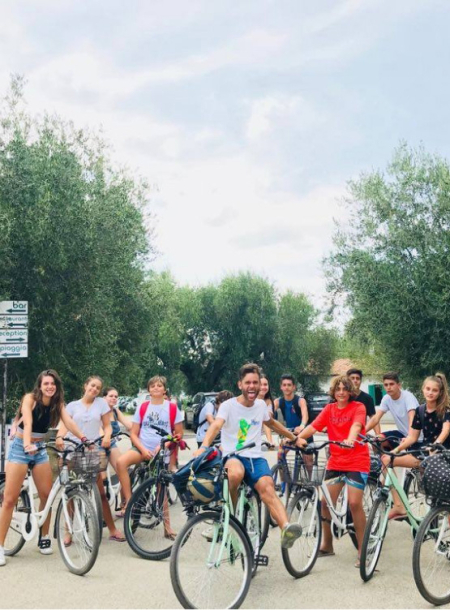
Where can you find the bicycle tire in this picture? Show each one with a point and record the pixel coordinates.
(277, 472)
(96, 498)
(422, 536)
(186, 534)
(300, 503)
(374, 535)
(251, 523)
(144, 520)
(14, 541)
(85, 527)
(416, 498)
(368, 499)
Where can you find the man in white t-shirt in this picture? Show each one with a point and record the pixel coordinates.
(402, 406)
(240, 422)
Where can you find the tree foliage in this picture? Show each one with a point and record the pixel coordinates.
(391, 261)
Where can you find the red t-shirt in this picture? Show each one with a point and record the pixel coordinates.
(338, 423)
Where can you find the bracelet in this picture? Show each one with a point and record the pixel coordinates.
(203, 447)
(59, 436)
(83, 439)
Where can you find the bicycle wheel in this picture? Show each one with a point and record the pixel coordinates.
(212, 570)
(374, 534)
(416, 497)
(150, 520)
(96, 500)
(431, 556)
(252, 525)
(281, 488)
(78, 518)
(14, 540)
(304, 509)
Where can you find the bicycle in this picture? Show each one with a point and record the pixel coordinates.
(305, 509)
(377, 521)
(230, 552)
(75, 515)
(152, 509)
(431, 550)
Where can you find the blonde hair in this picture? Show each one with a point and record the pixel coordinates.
(346, 382)
(442, 402)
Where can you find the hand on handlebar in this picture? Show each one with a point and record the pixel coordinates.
(31, 449)
(348, 442)
(301, 442)
(106, 442)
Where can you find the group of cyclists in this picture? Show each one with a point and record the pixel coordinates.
(241, 421)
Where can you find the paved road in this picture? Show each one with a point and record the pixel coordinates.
(120, 579)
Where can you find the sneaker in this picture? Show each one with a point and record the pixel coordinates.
(45, 546)
(289, 535)
(2, 556)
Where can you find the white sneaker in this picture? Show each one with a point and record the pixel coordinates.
(2, 556)
(45, 546)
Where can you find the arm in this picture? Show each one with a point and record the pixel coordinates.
(107, 429)
(134, 436)
(375, 420)
(444, 434)
(69, 424)
(123, 420)
(306, 433)
(305, 416)
(178, 431)
(353, 434)
(413, 437)
(276, 404)
(27, 420)
(275, 425)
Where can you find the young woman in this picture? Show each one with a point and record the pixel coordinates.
(433, 419)
(146, 441)
(344, 419)
(41, 409)
(266, 395)
(92, 413)
(112, 396)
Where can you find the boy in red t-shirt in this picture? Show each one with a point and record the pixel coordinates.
(344, 420)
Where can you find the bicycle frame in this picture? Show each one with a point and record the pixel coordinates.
(391, 481)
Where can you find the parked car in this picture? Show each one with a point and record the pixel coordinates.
(316, 402)
(197, 404)
(124, 403)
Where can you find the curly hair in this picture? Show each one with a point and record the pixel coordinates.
(346, 382)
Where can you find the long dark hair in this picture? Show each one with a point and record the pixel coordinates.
(56, 401)
(268, 395)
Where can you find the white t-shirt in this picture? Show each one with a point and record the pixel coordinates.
(156, 415)
(88, 419)
(208, 409)
(400, 408)
(242, 426)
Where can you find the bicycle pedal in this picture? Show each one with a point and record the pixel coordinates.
(262, 560)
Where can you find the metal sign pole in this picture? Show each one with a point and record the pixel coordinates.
(4, 432)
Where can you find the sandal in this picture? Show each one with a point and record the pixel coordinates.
(120, 514)
(116, 538)
(325, 553)
(67, 540)
(170, 536)
(358, 563)
(395, 516)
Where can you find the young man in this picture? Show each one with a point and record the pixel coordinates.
(402, 405)
(208, 414)
(293, 408)
(240, 422)
(355, 376)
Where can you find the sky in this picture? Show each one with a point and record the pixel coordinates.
(247, 118)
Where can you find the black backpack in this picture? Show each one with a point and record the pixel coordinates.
(195, 422)
(297, 408)
(436, 478)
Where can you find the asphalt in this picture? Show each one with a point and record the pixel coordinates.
(120, 579)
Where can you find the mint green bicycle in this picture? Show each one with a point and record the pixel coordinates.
(377, 520)
(218, 550)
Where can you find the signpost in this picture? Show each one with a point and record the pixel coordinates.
(13, 344)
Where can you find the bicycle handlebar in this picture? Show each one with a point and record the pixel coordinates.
(248, 446)
(376, 443)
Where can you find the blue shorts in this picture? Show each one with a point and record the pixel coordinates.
(353, 478)
(17, 454)
(255, 469)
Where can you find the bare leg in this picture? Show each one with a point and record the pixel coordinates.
(408, 461)
(355, 502)
(123, 463)
(266, 489)
(15, 475)
(327, 537)
(113, 531)
(42, 476)
(236, 473)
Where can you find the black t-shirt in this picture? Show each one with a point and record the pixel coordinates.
(367, 401)
(432, 426)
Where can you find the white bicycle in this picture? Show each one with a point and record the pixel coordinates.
(305, 509)
(76, 525)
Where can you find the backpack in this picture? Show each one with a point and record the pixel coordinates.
(296, 405)
(198, 481)
(436, 478)
(196, 423)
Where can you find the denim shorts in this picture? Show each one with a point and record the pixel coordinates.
(351, 477)
(255, 469)
(17, 453)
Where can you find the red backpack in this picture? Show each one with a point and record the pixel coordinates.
(173, 408)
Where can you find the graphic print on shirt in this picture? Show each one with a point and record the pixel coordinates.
(154, 418)
(244, 427)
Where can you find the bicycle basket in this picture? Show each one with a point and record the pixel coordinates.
(302, 470)
(88, 462)
(436, 478)
(197, 482)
